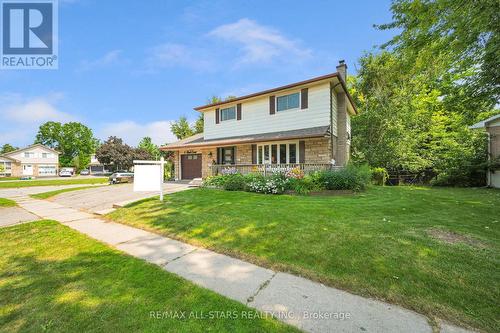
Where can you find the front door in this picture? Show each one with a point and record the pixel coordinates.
(191, 166)
(27, 170)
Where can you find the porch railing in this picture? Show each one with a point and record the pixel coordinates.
(265, 169)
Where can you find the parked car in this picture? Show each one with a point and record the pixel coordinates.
(85, 172)
(65, 173)
(121, 177)
(65, 170)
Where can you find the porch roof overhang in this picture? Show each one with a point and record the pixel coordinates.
(198, 141)
(8, 159)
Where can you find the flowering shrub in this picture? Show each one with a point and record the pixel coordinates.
(275, 184)
(277, 181)
(295, 173)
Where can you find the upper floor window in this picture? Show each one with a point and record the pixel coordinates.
(29, 154)
(288, 102)
(46, 155)
(228, 113)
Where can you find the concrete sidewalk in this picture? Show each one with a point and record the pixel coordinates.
(305, 304)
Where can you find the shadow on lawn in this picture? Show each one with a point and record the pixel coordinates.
(96, 291)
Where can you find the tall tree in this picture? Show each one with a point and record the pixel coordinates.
(181, 128)
(199, 124)
(461, 36)
(148, 145)
(7, 148)
(116, 153)
(72, 140)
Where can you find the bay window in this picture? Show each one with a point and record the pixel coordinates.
(274, 153)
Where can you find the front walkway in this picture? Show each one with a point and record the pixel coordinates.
(308, 305)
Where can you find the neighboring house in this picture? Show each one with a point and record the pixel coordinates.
(492, 127)
(304, 124)
(96, 167)
(36, 160)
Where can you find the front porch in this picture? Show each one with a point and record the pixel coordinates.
(265, 169)
(308, 154)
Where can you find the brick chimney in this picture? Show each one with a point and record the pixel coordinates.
(342, 151)
(342, 69)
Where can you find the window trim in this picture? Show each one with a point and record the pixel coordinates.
(229, 107)
(299, 92)
(260, 159)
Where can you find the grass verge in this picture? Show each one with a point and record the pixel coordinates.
(8, 178)
(55, 279)
(434, 250)
(7, 203)
(46, 195)
(28, 183)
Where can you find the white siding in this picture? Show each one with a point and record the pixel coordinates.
(256, 118)
(37, 158)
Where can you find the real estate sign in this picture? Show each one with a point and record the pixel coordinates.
(148, 176)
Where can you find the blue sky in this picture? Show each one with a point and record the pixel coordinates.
(128, 68)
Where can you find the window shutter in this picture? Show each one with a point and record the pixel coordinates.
(302, 152)
(217, 115)
(234, 155)
(219, 156)
(238, 111)
(254, 154)
(304, 98)
(272, 105)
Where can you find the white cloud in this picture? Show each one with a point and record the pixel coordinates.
(175, 55)
(132, 132)
(20, 116)
(110, 58)
(260, 43)
(34, 110)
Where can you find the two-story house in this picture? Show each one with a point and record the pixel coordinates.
(305, 124)
(33, 161)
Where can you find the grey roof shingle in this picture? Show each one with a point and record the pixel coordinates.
(198, 140)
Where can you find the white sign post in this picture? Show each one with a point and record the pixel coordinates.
(148, 176)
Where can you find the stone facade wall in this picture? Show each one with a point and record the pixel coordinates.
(244, 154)
(207, 161)
(17, 170)
(342, 153)
(318, 150)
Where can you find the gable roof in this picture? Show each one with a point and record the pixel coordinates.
(30, 147)
(288, 86)
(198, 140)
(485, 122)
(8, 158)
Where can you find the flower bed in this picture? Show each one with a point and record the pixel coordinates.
(350, 178)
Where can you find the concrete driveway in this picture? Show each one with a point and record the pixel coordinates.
(100, 199)
(15, 215)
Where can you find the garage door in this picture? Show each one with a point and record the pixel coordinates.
(191, 166)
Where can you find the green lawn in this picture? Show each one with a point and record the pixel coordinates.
(55, 279)
(27, 183)
(46, 195)
(7, 203)
(9, 178)
(434, 250)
